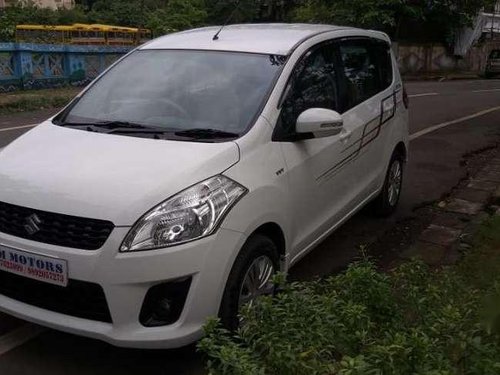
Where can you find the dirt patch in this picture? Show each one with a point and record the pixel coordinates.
(390, 245)
(34, 100)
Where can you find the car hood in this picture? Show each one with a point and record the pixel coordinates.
(103, 176)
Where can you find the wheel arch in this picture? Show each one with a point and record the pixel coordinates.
(401, 149)
(274, 232)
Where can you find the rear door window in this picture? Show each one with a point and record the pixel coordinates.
(367, 69)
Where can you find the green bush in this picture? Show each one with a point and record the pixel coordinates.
(443, 17)
(412, 321)
(26, 13)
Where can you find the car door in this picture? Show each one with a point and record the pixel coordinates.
(370, 103)
(319, 185)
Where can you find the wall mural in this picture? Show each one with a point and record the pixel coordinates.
(33, 66)
(429, 57)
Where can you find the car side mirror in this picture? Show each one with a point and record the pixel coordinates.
(319, 121)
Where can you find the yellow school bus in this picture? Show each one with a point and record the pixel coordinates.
(80, 33)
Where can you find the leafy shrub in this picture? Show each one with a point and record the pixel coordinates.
(412, 321)
(26, 13)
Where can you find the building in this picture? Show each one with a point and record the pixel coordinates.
(492, 21)
(486, 28)
(53, 4)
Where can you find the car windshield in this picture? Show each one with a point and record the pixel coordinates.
(179, 90)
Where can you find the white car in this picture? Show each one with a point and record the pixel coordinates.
(197, 166)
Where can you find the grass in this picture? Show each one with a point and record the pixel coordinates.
(481, 266)
(34, 100)
(414, 320)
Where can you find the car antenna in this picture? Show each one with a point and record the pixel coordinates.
(237, 5)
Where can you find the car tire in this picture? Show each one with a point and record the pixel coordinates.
(387, 201)
(257, 248)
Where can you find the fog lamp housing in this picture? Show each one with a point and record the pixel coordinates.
(164, 303)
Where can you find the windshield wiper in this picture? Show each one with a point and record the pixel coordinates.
(115, 127)
(125, 127)
(201, 133)
(106, 124)
(121, 124)
(133, 130)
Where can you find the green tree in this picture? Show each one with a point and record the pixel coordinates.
(239, 11)
(380, 14)
(408, 19)
(248, 10)
(177, 15)
(116, 12)
(455, 14)
(444, 17)
(27, 13)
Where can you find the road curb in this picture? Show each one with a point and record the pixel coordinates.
(452, 229)
(441, 78)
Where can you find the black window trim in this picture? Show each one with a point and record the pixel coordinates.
(304, 56)
(338, 63)
(276, 137)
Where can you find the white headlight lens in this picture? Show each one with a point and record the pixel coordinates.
(189, 215)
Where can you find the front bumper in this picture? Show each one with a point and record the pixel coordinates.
(127, 277)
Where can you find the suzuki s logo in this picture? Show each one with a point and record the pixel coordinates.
(32, 224)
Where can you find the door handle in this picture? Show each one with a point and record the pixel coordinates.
(345, 136)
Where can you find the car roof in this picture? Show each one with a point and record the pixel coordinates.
(276, 39)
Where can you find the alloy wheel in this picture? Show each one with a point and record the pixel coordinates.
(395, 182)
(257, 281)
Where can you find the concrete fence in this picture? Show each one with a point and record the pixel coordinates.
(31, 66)
(437, 58)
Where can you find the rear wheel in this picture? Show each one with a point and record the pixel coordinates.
(250, 278)
(386, 203)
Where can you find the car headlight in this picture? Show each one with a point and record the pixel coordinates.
(192, 214)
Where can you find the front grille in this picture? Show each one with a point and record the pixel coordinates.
(79, 299)
(54, 229)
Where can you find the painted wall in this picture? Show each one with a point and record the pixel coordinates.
(424, 57)
(434, 58)
(31, 66)
(54, 4)
(477, 57)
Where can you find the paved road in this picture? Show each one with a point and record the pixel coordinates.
(433, 170)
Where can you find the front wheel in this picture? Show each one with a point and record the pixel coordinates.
(386, 203)
(250, 278)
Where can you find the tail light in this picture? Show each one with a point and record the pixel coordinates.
(406, 98)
